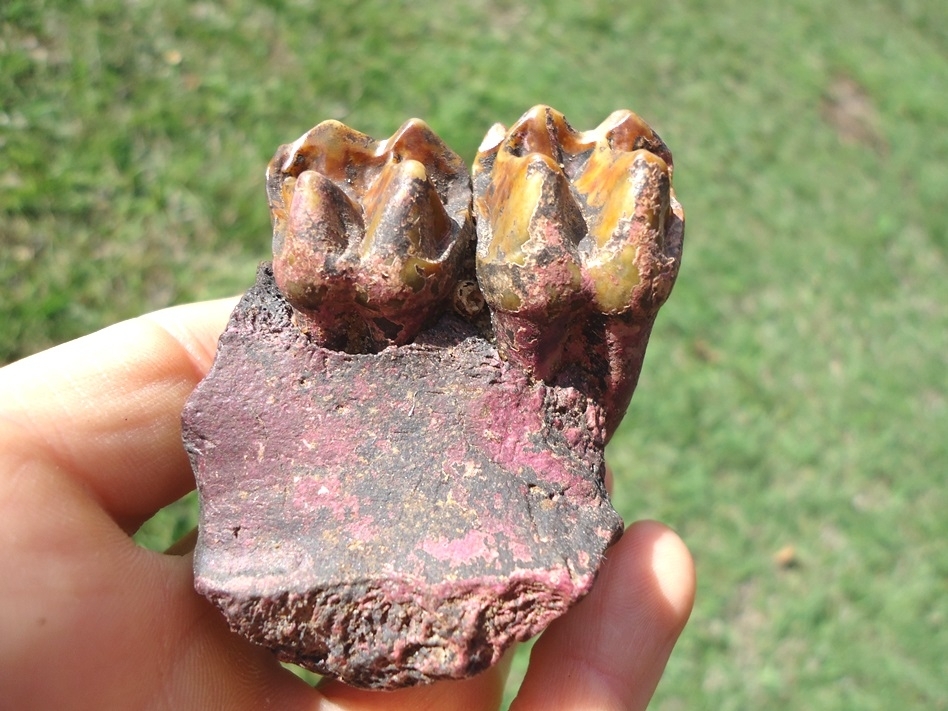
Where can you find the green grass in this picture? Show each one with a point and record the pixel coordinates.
(796, 388)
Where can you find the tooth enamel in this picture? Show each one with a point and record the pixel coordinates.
(321, 213)
(632, 197)
(493, 138)
(405, 211)
(626, 131)
(331, 149)
(531, 134)
(512, 205)
(576, 219)
(635, 185)
(319, 227)
(534, 224)
(413, 140)
(369, 236)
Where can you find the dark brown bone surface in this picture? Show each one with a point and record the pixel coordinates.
(397, 482)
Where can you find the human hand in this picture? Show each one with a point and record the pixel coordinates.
(90, 448)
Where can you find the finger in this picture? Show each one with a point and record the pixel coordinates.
(610, 651)
(483, 692)
(105, 409)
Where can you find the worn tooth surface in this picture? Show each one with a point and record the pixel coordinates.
(545, 130)
(368, 235)
(628, 205)
(625, 131)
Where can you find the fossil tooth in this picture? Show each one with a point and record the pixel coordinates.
(549, 198)
(612, 199)
(545, 130)
(528, 227)
(376, 228)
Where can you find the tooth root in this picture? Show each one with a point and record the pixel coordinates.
(406, 217)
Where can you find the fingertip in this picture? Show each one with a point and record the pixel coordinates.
(609, 652)
(196, 327)
(482, 692)
(672, 567)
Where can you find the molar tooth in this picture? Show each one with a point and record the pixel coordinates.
(528, 226)
(579, 241)
(369, 236)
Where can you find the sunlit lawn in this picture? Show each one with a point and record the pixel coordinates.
(792, 418)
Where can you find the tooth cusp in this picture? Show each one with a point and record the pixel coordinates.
(529, 224)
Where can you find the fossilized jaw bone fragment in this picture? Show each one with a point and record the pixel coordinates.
(393, 495)
(368, 236)
(579, 239)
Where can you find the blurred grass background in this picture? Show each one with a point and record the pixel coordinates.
(792, 417)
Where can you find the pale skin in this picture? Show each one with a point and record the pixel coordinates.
(90, 448)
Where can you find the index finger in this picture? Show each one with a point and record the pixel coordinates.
(105, 409)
